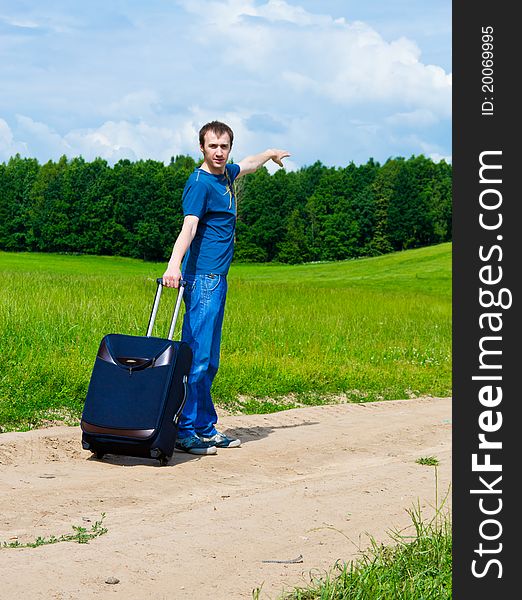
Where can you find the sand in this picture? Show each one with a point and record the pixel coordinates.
(307, 488)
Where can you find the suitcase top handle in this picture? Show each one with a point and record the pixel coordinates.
(150, 355)
(155, 306)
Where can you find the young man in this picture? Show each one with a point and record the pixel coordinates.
(206, 245)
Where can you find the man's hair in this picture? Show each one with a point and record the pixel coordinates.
(218, 128)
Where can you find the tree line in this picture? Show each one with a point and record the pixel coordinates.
(316, 213)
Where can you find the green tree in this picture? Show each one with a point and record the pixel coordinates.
(261, 219)
(49, 217)
(135, 208)
(382, 190)
(294, 249)
(409, 215)
(16, 181)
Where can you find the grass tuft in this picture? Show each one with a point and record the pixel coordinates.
(416, 566)
(430, 461)
(80, 535)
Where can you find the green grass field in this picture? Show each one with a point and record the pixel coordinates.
(362, 330)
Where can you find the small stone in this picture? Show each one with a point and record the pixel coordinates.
(112, 580)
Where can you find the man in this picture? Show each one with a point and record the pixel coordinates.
(206, 245)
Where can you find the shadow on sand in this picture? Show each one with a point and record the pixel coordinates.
(245, 434)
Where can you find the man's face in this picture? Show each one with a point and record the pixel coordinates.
(216, 151)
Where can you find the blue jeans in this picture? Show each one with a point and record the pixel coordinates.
(204, 298)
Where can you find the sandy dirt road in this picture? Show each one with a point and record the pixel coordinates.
(308, 482)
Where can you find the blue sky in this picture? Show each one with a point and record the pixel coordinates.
(335, 81)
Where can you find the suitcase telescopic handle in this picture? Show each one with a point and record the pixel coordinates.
(155, 306)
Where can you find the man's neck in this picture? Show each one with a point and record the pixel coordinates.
(213, 171)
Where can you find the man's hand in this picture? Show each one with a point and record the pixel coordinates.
(279, 155)
(171, 277)
(250, 164)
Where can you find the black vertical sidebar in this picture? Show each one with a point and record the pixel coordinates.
(487, 267)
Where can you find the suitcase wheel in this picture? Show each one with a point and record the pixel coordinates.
(157, 453)
(97, 453)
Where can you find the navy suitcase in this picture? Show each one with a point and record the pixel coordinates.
(137, 391)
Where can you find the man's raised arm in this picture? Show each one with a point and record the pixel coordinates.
(252, 163)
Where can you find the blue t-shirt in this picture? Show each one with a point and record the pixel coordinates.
(211, 198)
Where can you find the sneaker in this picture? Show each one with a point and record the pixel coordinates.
(220, 440)
(193, 445)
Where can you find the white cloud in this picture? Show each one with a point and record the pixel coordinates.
(436, 157)
(159, 138)
(6, 136)
(112, 140)
(278, 10)
(320, 59)
(140, 82)
(135, 105)
(36, 19)
(8, 146)
(417, 143)
(19, 22)
(40, 133)
(421, 117)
